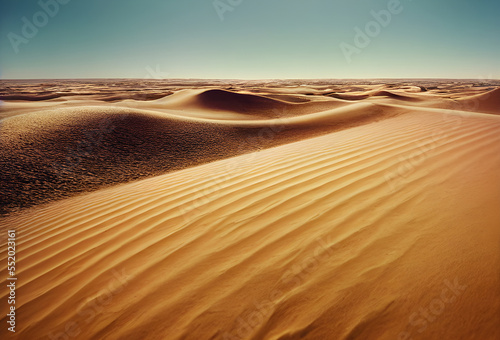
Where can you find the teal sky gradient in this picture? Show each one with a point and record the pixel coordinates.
(258, 39)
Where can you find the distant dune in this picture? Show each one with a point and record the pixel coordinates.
(488, 102)
(254, 211)
(245, 103)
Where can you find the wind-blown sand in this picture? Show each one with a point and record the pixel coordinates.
(315, 214)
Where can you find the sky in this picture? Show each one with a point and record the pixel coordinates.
(249, 39)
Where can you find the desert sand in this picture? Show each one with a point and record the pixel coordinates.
(252, 209)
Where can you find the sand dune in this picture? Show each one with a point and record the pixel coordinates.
(92, 95)
(246, 103)
(232, 101)
(488, 102)
(73, 150)
(375, 219)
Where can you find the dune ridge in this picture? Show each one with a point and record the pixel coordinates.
(92, 147)
(488, 102)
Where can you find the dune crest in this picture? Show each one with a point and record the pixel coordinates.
(488, 102)
(87, 148)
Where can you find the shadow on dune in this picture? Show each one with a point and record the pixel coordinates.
(488, 102)
(31, 97)
(382, 93)
(250, 104)
(57, 153)
(95, 95)
(240, 102)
